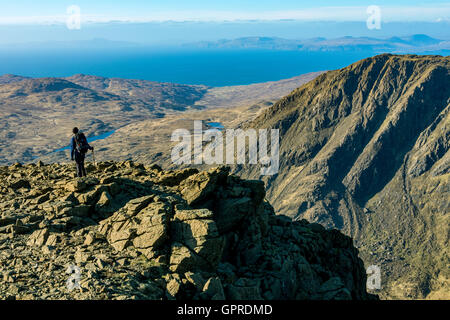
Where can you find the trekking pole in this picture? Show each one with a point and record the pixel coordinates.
(93, 158)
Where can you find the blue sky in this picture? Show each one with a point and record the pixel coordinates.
(152, 21)
(44, 11)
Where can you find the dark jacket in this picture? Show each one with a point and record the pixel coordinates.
(74, 152)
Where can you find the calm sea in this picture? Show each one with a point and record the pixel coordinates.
(208, 67)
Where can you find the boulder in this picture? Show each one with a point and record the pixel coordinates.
(182, 259)
(174, 178)
(213, 290)
(76, 185)
(79, 211)
(200, 186)
(22, 183)
(141, 224)
(196, 279)
(38, 237)
(197, 231)
(103, 204)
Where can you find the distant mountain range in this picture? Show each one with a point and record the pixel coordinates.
(418, 43)
(411, 44)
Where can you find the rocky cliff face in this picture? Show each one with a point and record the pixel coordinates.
(365, 149)
(130, 231)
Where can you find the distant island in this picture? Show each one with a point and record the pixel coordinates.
(418, 43)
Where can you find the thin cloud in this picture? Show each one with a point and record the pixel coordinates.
(355, 13)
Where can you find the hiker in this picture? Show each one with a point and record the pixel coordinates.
(80, 147)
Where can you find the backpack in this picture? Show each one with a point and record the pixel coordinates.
(82, 145)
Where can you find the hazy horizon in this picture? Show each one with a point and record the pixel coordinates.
(177, 33)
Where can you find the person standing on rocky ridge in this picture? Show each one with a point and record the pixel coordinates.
(80, 147)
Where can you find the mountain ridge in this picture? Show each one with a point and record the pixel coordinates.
(355, 139)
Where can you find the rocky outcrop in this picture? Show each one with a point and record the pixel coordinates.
(139, 232)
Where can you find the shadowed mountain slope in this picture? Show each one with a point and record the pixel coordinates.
(365, 149)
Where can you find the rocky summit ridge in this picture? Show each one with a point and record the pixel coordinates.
(132, 231)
